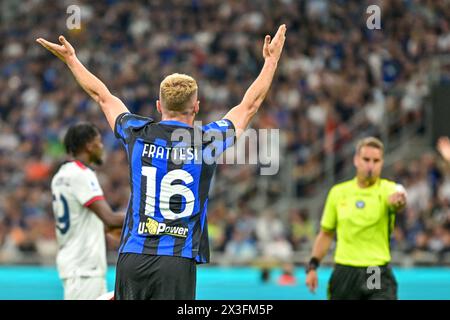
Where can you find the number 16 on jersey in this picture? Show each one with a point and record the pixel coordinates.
(166, 191)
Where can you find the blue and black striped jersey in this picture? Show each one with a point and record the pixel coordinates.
(171, 167)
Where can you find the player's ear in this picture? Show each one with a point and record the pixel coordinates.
(158, 106)
(89, 146)
(355, 159)
(196, 106)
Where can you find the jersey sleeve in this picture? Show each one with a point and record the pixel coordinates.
(86, 188)
(126, 122)
(221, 134)
(329, 217)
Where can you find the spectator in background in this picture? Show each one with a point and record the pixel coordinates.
(216, 229)
(278, 250)
(268, 227)
(241, 248)
(287, 277)
(301, 229)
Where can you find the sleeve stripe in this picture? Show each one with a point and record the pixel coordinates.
(328, 229)
(231, 124)
(118, 132)
(92, 200)
(127, 120)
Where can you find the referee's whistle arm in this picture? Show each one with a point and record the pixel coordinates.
(398, 200)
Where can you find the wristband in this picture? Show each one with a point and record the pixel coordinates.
(313, 264)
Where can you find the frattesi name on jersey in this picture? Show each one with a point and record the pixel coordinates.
(175, 153)
(152, 228)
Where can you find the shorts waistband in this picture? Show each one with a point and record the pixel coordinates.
(384, 266)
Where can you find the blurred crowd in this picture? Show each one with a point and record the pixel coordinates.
(425, 224)
(333, 70)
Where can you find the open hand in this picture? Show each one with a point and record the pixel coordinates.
(65, 51)
(272, 49)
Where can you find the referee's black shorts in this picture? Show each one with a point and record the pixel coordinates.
(362, 283)
(149, 277)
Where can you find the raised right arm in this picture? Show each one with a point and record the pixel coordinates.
(97, 90)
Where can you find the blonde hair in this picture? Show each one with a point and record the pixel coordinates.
(176, 90)
(370, 142)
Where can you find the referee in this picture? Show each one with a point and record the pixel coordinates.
(361, 212)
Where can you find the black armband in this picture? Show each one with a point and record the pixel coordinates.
(313, 264)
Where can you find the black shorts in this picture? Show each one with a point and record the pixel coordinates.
(149, 277)
(362, 283)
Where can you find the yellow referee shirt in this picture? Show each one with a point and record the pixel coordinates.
(362, 220)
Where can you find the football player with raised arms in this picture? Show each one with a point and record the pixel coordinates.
(165, 233)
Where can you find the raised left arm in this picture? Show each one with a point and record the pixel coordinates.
(242, 114)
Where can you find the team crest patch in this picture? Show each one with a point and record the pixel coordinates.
(360, 204)
(222, 123)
